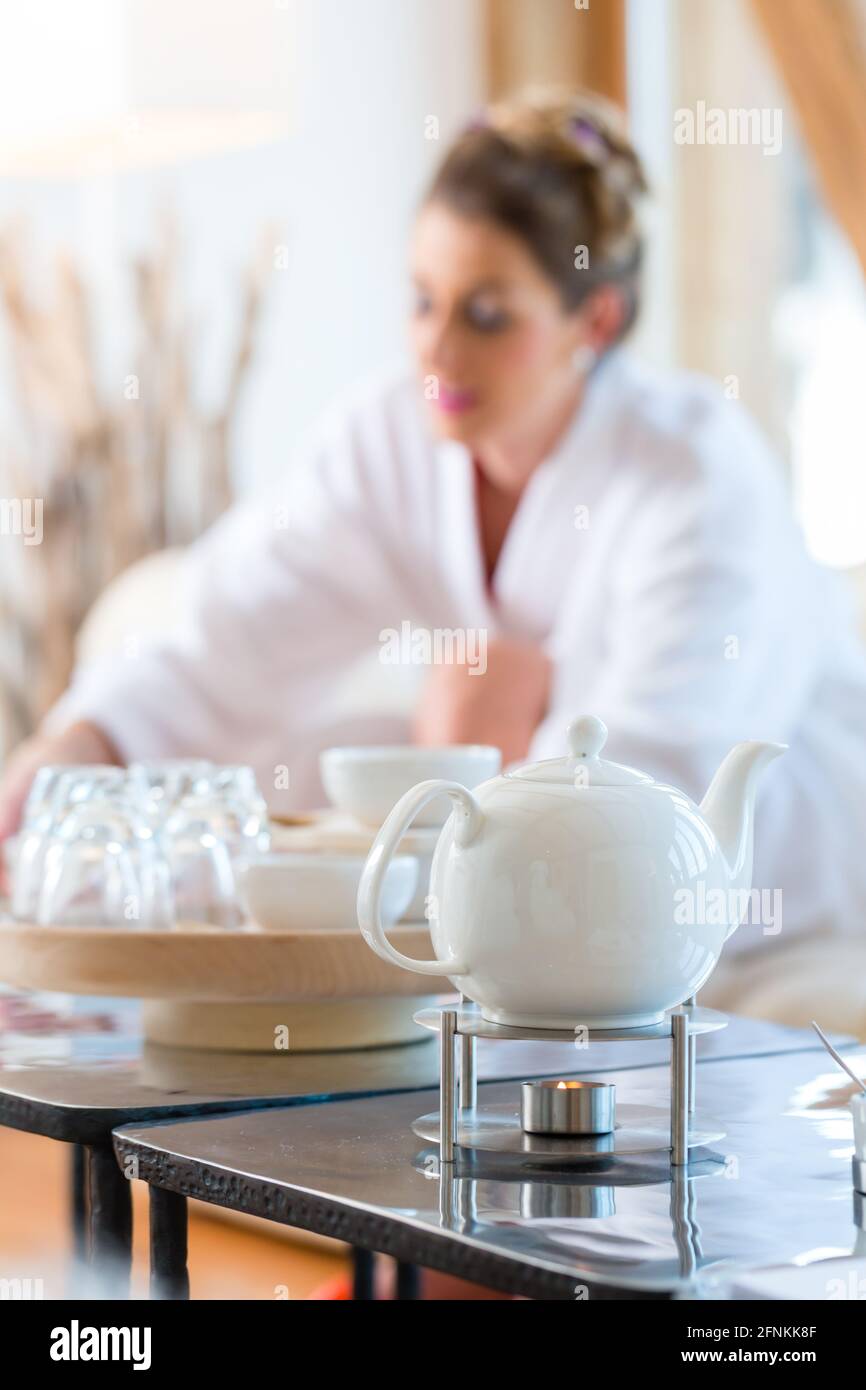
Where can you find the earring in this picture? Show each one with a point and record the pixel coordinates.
(584, 359)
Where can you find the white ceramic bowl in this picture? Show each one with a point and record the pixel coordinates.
(366, 782)
(317, 892)
(331, 832)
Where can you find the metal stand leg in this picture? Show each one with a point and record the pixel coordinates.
(110, 1222)
(447, 1087)
(693, 1057)
(169, 1277)
(680, 1089)
(408, 1282)
(468, 1080)
(364, 1268)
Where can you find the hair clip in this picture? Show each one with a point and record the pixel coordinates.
(591, 140)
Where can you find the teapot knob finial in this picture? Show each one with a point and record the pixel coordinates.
(586, 736)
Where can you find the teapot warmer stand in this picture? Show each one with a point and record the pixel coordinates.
(468, 1133)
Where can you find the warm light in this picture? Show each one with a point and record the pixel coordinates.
(105, 86)
(140, 140)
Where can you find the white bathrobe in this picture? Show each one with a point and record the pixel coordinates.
(653, 556)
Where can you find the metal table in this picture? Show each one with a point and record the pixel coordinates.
(77, 1086)
(355, 1170)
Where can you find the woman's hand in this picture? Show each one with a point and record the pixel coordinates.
(80, 743)
(504, 706)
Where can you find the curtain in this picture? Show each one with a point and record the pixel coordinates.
(819, 47)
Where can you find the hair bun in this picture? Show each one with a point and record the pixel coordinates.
(583, 129)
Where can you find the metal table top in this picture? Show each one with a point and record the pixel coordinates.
(79, 1084)
(776, 1189)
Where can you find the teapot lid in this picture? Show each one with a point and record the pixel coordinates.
(583, 767)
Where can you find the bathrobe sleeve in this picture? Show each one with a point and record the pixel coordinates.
(279, 594)
(711, 612)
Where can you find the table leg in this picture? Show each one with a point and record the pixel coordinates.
(78, 1202)
(408, 1281)
(363, 1275)
(169, 1277)
(110, 1222)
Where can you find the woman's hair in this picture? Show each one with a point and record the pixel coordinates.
(556, 169)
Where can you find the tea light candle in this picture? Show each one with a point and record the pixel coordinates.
(568, 1107)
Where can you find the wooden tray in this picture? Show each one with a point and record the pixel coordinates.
(208, 964)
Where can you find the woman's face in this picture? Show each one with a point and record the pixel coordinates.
(495, 349)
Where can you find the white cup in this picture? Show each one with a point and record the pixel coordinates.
(367, 782)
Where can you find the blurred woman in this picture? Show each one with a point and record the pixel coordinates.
(620, 539)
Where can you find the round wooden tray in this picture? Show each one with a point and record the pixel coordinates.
(208, 964)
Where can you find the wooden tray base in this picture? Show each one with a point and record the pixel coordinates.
(208, 964)
(282, 1028)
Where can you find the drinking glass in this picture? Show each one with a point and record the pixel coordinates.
(229, 797)
(159, 787)
(104, 866)
(161, 843)
(55, 790)
(207, 839)
(200, 866)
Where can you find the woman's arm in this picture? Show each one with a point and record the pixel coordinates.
(280, 595)
(503, 706)
(79, 743)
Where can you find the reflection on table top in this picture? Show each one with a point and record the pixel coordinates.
(776, 1189)
(76, 1084)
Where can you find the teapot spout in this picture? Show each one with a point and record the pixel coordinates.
(729, 805)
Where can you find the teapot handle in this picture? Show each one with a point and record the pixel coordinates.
(468, 820)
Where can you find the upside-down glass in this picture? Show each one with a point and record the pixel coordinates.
(200, 866)
(55, 791)
(236, 808)
(206, 840)
(151, 846)
(104, 866)
(159, 787)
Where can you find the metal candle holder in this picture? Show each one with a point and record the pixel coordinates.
(681, 1025)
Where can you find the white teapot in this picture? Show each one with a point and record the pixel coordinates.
(578, 891)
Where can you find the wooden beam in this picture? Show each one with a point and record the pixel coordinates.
(556, 41)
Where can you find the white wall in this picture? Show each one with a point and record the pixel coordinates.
(651, 38)
(360, 78)
(361, 161)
